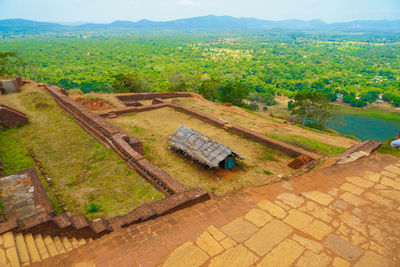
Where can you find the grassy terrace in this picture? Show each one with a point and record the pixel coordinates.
(90, 178)
(311, 140)
(261, 164)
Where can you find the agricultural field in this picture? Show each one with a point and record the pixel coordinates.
(88, 177)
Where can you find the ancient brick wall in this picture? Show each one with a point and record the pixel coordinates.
(125, 145)
(151, 96)
(127, 110)
(273, 143)
(132, 104)
(200, 115)
(259, 138)
(79, 226)
(161, 207)
(10, 117)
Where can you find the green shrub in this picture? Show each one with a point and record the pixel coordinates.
(93, 207)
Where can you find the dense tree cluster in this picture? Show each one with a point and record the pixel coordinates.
(312, 109)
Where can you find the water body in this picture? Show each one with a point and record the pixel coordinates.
(365, 128)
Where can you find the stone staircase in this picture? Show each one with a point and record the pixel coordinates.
(17, 249)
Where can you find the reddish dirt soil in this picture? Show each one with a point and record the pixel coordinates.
(94, 104)
(213, 175)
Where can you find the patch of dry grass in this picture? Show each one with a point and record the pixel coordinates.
(84, 171)
(154, 127)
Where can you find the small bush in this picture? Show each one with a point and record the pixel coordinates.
(253, 106)
(93, 207)
(75, 92)
(268, 172)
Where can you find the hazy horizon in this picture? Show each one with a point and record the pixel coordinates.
(103, 11)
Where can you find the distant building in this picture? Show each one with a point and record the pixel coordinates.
(202, 149)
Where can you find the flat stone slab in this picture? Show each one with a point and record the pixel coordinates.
(372, 259)
(319, 197)
(291, 199)
(308, 243)
(315, 260)
(342, 247)
(258, 217)
(268, 236)
(283, 255)
(273, 209)
(238, 256)
(360, 181)
(352, 188)
(207, 243)
(239, 229)
(186, 255)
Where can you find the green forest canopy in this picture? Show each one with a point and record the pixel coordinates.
(263, 62)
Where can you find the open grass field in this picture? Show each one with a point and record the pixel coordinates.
(261, 164)
(316, 141)
(90, 178)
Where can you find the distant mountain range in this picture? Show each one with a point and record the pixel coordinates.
(14, 26)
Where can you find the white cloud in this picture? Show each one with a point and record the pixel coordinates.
(188, 3)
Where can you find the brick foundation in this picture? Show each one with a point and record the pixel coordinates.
(151, 96)
(10, 117)
(127, 110)
(129, 148)
(273, 143)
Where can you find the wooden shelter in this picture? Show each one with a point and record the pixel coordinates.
(203, 149)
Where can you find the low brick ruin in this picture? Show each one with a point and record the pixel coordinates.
(11, 86)
(129, 148)
(31, 212)
(158, 102)
(10, 117)
(150, 96)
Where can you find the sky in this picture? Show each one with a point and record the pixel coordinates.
(105, 11)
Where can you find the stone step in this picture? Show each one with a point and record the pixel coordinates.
(51, 247)
(59, 245)
(66, 243)
(41, 247)
(12, 256)
(22, 250)
(82, 242)
(74, 242)
(9, 253)
(32, 249)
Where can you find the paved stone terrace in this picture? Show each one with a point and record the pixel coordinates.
(347, 215)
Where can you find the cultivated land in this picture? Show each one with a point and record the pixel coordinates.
(314, 141)
(261, 164)
(83, 170)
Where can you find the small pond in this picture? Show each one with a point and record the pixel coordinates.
(365, 128)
